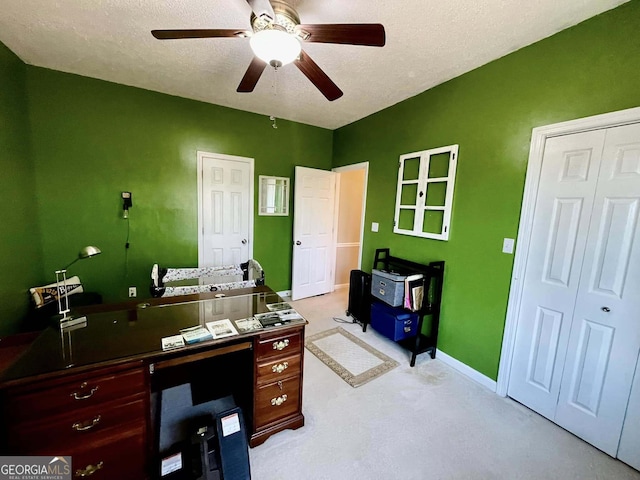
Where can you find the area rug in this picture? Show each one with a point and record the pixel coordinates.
(353, 360)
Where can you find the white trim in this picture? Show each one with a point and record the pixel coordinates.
(221, 156)
(466, 370)
(359, 166)
(342, 285)
(347, 245)
(336, 215)
(538, 138)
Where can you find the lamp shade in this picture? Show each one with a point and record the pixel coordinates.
(275, 47)
(89, 251)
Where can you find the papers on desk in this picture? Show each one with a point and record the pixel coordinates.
(174, 341)
(272, 307)
(278, 317)
(221, 328)
(248, 324)
(195, 334)
(288, 315)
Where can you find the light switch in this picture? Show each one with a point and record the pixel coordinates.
(507, 245)
(374, 226)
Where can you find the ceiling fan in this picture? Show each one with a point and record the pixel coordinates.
(276, 38)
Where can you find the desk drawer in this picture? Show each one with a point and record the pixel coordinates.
(40, 399)
(277, 400)
(70, 429)
(271, 370)
(284, 343)
(119, 454)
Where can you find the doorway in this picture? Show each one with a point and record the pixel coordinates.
(327, 213)
(572, 338)
(351, 207)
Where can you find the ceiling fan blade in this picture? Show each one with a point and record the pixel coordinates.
(199, 33)
(262, 8)
(371, 34)
(320, 79)
(251, 76)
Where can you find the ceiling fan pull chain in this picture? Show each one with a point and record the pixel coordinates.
(275, 81)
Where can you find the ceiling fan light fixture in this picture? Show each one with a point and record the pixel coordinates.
(275, 47)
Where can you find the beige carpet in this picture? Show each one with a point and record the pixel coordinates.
(426, 422)
(355, 361)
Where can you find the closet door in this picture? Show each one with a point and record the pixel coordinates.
(562, 214)
(629, 449)
(605, 334)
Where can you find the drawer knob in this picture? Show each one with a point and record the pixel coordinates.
(280, 367)
(82, 427)
(281, 345)
(279, 400)
(83, 394)
(89, 470)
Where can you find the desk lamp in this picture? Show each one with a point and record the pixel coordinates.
(61, 276)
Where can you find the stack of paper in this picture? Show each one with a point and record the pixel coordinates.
(195, 334)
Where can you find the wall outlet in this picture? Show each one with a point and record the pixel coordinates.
(133, 292)
(374, 226)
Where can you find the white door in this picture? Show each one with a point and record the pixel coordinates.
(225, 206)
(578, 332)
(313, 232)
(558, 238)
(629, 450)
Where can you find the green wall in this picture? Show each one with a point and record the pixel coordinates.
(589, 69)
(20, 253)
(94, 139)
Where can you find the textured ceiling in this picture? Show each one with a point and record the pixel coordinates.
(428, 42)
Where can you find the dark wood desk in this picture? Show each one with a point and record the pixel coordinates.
(88, 392)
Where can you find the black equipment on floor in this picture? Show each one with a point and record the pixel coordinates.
(360, 297)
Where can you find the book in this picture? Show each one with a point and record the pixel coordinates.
(195, 334)
(174, 341)
(413, 291)
(221, 328)
(248, 324)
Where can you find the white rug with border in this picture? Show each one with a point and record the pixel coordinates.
(353, 360)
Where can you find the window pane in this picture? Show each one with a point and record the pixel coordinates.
(439, 165)
(406, 219)
(408, 196)
(411, 169)
(436, 194)
(433, 221)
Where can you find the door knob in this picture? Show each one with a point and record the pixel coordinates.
(244, 241)
(298, 242)
(605, 309)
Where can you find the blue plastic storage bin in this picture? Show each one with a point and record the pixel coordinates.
(393, 323)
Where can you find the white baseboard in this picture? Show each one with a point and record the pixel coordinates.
(342, 285)
(466, 370)
(285, 293)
